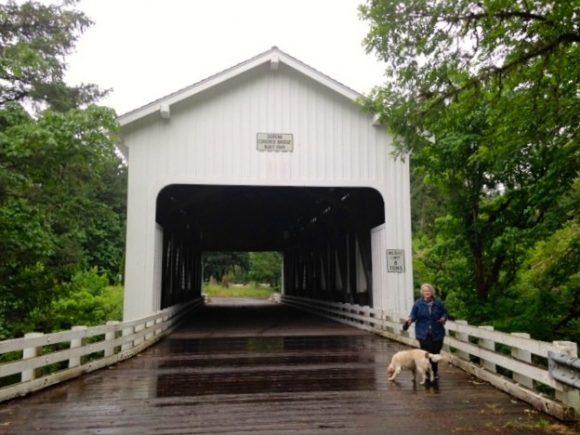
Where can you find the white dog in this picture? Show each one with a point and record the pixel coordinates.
(416, 360)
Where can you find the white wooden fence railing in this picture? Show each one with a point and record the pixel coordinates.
(39, 360)
(514, 362)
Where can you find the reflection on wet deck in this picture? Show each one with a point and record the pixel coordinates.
(265, 368)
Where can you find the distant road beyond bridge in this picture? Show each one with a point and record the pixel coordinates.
(241, 366)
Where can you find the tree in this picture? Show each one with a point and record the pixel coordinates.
(547, 290)
(86, 300)
(55, 220)
(427, 202)
(34, 41)
(218, 264)
(62, 184)
(484, 97)
(266, 267)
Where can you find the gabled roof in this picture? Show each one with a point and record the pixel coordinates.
(274, 57)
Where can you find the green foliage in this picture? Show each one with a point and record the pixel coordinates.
(219, 264)
(86, 300)
(238, 267)
(547, 293)
(58, 212)
(266, 267)
(484, 97)
(54, 221)
(428, 203)
(62, 184)
(35, 38)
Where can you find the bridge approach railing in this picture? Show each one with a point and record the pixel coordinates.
(39, 360)
(512, 362)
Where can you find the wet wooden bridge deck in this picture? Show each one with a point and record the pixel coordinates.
(263, 369)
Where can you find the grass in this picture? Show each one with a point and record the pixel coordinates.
(245, 291)
(543, 426)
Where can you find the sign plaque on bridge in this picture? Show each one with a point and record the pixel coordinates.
(283, 142)
(395, 260)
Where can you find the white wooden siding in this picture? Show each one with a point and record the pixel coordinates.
(210, 138)
(215, 139)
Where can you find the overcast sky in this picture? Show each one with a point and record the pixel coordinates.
(145, 49)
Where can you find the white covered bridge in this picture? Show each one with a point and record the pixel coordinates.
(268, 155)
(272, 155)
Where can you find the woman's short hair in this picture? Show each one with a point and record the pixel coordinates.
(429, 286)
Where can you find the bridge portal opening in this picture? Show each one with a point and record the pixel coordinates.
(323, 233)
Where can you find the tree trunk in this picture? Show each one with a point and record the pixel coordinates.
(481, 283)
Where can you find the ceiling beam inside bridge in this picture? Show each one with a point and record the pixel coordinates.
(265, 218)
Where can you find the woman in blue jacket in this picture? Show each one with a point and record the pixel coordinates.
(429, 315)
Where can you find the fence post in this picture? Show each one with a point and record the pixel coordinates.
(411, 331)
(525, 356)
(158, 326)
(393, 318)
(367, 313)
(29, 352)
(129, 344)
(75, 361)
(384, 318)
(569, 396)
(138, 328)
(462, 336)
(489, 345)
(150, 327)
(109, 338)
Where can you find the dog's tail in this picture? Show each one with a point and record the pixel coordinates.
(434, 357)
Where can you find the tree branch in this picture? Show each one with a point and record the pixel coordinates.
(565, 38)
(503, 15)
(486, 74)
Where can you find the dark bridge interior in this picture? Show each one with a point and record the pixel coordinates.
(323, 232)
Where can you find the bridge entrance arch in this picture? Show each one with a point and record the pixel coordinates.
(270, 154)
(324, 234)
